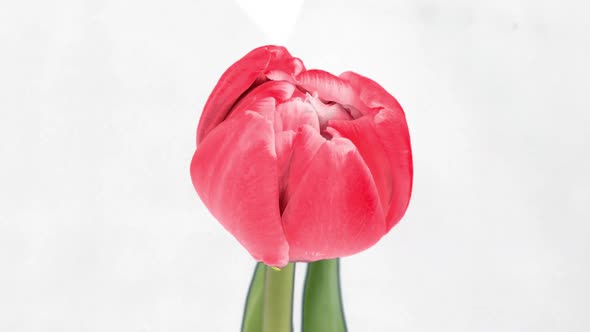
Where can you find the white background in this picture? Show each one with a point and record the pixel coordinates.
(101, 230)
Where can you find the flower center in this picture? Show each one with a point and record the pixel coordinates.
(326, 111)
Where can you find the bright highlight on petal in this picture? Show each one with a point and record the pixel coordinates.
(296, 113)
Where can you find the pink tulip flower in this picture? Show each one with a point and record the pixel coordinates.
(301, 165)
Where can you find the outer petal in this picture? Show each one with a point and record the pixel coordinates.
(335, 211)
(391, 127)
(238, 78)
(234, 171)
(362, 134)
(370, 92)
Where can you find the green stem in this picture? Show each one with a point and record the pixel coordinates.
(322, 302)
(252, 321)
(278, 299)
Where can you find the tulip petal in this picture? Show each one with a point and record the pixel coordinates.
(331, 88)
(294, 114)
(263, 106)
(361, 132)
(285, 70)
(234, 171)
(279, 75)
(335, 211)
(304, 148)
(392, 129)
(327, 86)
(238, 78)
(326, 113)
(258, 99)
(281, 60)
(370, 92)
(284, 147)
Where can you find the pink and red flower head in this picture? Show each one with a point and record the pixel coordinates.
(301, 165)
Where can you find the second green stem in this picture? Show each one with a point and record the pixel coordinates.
(278, 299)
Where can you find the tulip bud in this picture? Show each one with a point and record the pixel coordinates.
(301, 165)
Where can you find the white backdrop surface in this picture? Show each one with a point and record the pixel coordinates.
(101, 230)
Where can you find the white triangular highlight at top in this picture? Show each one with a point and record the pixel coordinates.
(276, 18)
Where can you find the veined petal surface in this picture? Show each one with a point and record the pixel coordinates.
(335, 210)
(235, 173)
